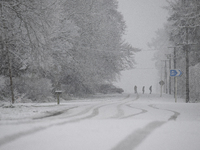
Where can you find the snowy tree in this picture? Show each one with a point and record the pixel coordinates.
(74, 42)
(97, 54)
(182, 34)
(21, 37)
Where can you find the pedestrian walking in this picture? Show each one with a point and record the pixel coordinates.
(143, 89)
(150, 89)
(135, 89)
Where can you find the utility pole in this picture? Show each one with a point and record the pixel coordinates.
(174, 61)
(165, 75)
(169, 57)
(166, 90)
(186, 49)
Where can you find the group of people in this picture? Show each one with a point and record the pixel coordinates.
(143, 89)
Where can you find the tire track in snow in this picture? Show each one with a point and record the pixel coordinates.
(35, 119)
(54, 113)
(173, 117)
(95, 112)
(137, 137)
(135, 114)
(120, 111)
(10, 138)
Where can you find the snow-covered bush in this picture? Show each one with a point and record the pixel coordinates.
(36, 89)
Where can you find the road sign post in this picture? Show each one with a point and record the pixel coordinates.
(175, 73)
(175, 89)
(161, 85)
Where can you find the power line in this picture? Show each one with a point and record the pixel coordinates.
(146, 68)
(149, 50)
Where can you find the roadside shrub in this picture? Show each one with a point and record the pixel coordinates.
(36, 89)
(109, 88)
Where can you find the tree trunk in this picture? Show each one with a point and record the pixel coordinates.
(187, 74)
(10, 75)
(186, 48)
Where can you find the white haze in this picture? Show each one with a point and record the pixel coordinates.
(143, 18)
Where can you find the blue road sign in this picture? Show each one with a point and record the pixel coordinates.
(175, 73)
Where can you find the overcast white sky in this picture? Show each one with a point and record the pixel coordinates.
(143, 18)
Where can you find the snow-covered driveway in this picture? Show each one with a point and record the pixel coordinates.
(115, 122)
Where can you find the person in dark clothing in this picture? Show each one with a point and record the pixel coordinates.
(150, 89)
(143, 89)
(135, 89)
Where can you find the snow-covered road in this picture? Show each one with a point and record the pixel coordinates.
(113, 122)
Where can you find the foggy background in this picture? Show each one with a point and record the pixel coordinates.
(143, 18)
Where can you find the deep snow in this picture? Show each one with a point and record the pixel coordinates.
(116, 122)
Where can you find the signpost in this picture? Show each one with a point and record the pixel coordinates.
(175, 73)
(161, 85)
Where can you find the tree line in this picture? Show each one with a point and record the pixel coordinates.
(179, 41)
(73, 45)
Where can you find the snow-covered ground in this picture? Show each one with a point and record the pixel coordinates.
(113, 122)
